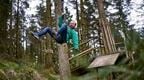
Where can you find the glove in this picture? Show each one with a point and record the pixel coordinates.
(63, 16)
(75, 51)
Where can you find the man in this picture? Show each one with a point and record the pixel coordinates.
(65, 34)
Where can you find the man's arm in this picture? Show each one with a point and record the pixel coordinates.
(75, 39)
(60, 21)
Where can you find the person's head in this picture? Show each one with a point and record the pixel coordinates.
(72, 24)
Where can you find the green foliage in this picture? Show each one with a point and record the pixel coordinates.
(6, 64)
(68, 16)
(104, 73)
(14, 71)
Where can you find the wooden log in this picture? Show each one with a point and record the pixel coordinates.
(64, 67)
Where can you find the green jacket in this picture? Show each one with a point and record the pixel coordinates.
(72, 34)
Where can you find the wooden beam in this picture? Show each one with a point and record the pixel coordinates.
(82, 53)
(82, 43)
(86, 52)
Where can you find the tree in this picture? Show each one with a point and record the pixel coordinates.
(4, 14)
(64, 66)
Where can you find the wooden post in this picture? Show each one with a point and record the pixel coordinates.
(64, 67)
(108, 40)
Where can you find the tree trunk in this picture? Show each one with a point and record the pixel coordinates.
(81, 22)
(17, 31)
(4, 14)
(64, 67)
(58, 10)
(77, 13)
(48, 57)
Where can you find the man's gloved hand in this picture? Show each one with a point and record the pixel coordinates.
(63, 16)
(75, 51)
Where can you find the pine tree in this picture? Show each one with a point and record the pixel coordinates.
(4, 14)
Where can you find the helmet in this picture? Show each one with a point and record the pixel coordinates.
(72, 24)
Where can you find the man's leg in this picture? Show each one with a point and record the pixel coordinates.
(62, 34)
(44, 32)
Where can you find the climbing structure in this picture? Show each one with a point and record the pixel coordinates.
(105, 41)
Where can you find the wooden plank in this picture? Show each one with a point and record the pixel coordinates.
(104, 60)
(82, 53)
(82, 43)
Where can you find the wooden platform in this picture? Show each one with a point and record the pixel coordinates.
(104, 60)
